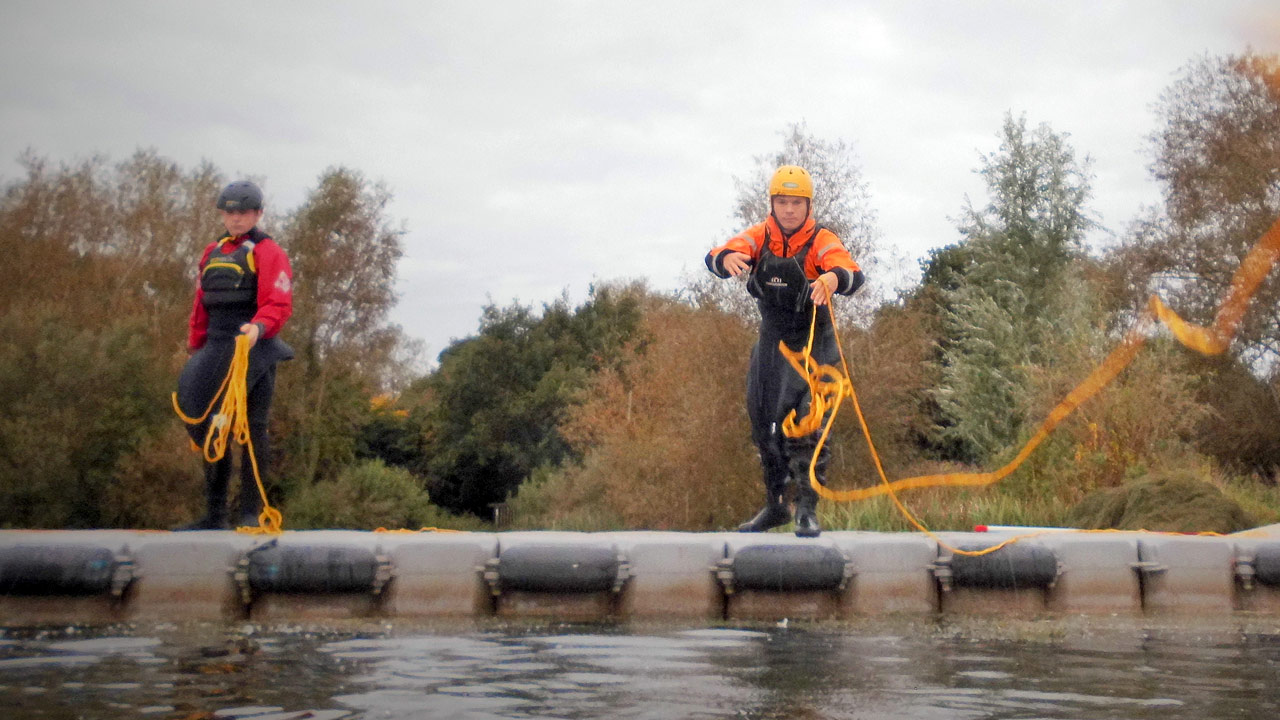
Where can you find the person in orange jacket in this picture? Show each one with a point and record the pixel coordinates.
(792, 264)
(244, 287)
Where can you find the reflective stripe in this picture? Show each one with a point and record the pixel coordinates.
(755, 246)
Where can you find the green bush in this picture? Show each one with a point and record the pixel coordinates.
(367, 496)
(1177, 500)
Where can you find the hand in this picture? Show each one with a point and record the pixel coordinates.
(736, 263)
(252, 330)
(820, 290)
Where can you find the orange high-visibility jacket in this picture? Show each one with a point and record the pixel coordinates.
(828, 254)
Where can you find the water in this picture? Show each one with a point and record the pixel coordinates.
(943, 669)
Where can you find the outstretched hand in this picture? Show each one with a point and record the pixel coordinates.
(736, 263)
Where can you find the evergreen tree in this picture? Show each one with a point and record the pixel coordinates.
(996, 291)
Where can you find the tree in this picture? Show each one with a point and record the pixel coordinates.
(495, 402)
(1217, 157)
(995, 297)
(840, 203)
(343, 251)
(91, 321)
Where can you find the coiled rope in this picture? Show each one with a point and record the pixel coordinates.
(232, 419)
(829, 385)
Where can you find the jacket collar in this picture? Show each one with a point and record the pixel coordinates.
(796, 240)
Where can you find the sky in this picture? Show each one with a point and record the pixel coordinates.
(534, 148)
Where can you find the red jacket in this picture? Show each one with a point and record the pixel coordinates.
(275, 287)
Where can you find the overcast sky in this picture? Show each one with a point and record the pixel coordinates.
(537, 146)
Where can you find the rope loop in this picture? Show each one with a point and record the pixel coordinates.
(232, 420)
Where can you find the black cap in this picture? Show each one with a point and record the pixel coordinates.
(240, 195)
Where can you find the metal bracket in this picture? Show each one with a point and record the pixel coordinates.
(723, 572)
(383, 572)
(123, 574)
(1148, 567)
(849, 572)
(942, 572)
(240, 572)
(489, 573)
(1245, 571)
(624, 573)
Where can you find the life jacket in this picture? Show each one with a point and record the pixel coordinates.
(779, 283)
(230, 278)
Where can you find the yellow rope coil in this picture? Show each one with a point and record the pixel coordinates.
(829, 385)
(232, 420)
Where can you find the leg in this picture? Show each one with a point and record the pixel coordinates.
(259, 408)
(197, 386)
(216, 477)
(800, 451)
(767, 436)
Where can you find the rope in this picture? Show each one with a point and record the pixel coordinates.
(232, 418)
(829, 385)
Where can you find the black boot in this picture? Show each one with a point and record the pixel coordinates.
(806, 497)
(773, 514)
(807, 513)
(216, 476)
(250, 503)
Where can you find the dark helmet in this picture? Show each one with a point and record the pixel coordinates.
(240, 195)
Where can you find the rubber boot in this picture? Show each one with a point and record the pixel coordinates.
(250, 502)
(773, 464)
(773, 514)
(806, 497)
(807, 513)
(216, 476)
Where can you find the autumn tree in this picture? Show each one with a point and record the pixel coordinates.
(344, 251)
(93, 320)
(1217, 158)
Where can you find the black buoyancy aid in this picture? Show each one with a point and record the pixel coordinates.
(230, 278)
(779, 282)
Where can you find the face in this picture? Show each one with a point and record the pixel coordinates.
(791, 211)
(239, 222)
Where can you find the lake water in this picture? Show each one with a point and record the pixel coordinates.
(1111, 668)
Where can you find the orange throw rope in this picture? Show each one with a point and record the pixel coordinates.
(829, 385)
(232, 418)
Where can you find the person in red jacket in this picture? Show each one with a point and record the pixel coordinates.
(244, 287)
(792, 265)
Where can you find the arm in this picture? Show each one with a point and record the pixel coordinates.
(737, 255)
(275, 289)
(838, 273)
(198, 324)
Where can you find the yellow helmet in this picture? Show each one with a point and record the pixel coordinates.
(791, 180)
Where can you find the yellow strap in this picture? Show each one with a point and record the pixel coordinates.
(232, 419)
(828, 386)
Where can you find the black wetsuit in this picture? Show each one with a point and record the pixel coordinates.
(229, 296)
(774, 388)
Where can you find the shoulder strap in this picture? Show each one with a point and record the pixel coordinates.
(803, 252)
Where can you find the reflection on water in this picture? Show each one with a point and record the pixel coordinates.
(1045, 669)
